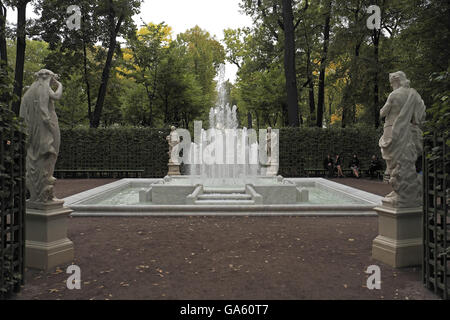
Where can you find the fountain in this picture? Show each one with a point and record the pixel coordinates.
(229, 172)
(223, 154)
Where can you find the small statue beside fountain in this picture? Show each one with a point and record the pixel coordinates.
(401, 143)
(272, 158)
(173, 140)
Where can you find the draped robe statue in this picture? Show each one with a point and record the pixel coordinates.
(38, 110)
(174, 140)
(402, 142)
(272, 155)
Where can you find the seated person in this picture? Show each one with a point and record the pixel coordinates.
(374, 166)
(354, 165)
(337, 163)
(329, 166)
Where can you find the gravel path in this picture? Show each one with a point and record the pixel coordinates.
(223, 257)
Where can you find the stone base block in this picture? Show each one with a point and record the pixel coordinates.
(397, 253)
(399, 243)
(174, 170)
(46, 256)
(47, 245)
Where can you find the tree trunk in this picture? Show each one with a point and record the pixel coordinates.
(20, 54)
(249, 120)
(149, 120)
(5, 96)
(3, 45)
(105, 75)
(86, 82)
(312, 103)
(376, 111)
(289, 63)
(326, 37)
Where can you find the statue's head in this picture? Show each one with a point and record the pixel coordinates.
(398, 79)
(172, 128)
(45, 74)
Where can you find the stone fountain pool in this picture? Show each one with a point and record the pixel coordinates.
(230, 173)
(183, 196)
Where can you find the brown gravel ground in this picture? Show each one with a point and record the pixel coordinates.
(287, 258)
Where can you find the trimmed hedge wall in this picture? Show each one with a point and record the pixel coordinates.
(115, 148)
(146, 148)
(306, 148)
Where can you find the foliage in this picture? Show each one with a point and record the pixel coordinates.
(115, 148)
(307, 147)
(145, 148)
(359, 60)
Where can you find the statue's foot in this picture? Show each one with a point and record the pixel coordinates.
(390, 195)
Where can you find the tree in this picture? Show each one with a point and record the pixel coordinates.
(205, 56)
(267, 12)
(144, 54)
(326, 37)
(102, 21)
(289, 63)
(117, 13)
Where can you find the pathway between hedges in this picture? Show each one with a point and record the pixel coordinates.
(223, 257)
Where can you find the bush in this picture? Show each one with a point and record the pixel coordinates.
(307, 147)
(115, 148)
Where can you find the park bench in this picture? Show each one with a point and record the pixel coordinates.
(316, 172)
(98, 173)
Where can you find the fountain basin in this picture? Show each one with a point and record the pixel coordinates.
(264, 196)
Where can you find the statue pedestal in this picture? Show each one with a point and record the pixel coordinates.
(399, 243)
(174, 169)
(272, 170)
(47, 245)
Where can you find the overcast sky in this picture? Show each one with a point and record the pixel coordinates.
(211, 15)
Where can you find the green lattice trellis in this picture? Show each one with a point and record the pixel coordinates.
(12, 202)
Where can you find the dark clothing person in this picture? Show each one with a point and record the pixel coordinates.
(374, 166)
(328, 165)
(338, 163)
(354, 165)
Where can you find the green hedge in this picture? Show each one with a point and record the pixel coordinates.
(145, 148)
(306, 148)
(115, 148)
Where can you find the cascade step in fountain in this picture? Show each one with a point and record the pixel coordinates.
(223, 196)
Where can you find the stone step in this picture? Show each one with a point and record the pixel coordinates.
(223, 190)
(224, 196)
(224, 202)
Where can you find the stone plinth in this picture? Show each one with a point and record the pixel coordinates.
(399, 240)
(174, 170)
(47, 245)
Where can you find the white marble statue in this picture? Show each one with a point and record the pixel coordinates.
(272, 156)
(174, 140)
(38, 110)
(401, 143)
